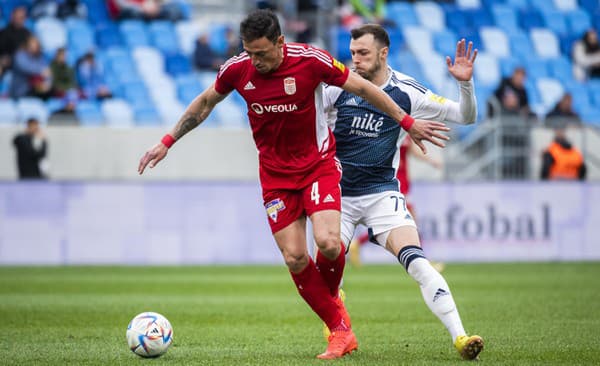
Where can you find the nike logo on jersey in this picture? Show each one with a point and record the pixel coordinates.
(328, 198)
(249, 86)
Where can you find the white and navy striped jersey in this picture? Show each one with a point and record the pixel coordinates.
(368, 141)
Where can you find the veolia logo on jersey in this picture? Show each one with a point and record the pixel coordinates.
(274, 108)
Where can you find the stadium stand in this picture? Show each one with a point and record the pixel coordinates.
(148, 68)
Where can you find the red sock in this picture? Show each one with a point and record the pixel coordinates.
(363, 238)
(332, 270)
(314, 291)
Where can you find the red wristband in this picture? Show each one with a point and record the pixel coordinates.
(168, 140)
(407, 122)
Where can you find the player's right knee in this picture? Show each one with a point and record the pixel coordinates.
(295, 261)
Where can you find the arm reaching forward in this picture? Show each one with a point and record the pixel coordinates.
(418, 129)
(194, 114)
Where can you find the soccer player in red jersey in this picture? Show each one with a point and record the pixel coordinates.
(299, 174)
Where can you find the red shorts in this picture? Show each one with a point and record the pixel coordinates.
(286, 206)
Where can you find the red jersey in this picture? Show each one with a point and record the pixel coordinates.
(402, 173)
(286, 112)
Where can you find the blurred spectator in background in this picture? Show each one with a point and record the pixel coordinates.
(58, 9)
(64, 82)
(234, 43)
(31, 74)
(145, 9)
(562, 161)
(91, 78)
(204, 57)
(12, 37)
(31, 148)
(586, 56)
(512, 94)
(564, 109)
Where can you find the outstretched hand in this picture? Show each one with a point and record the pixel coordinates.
(428, 130)
(152, 157)
(462, 68)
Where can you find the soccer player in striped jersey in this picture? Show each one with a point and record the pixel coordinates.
(299, 174)
(368, 144)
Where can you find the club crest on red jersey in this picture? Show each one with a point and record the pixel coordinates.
(274, 207)
(289, 85)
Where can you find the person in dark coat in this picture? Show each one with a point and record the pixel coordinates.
(31, 148)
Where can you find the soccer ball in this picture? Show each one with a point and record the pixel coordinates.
(149, 334)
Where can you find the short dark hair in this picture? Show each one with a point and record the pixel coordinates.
(378, 32)
(260, 23)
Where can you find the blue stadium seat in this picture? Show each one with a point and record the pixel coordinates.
(595, 98)
(52, 34)
(521, 46)
(536, 68)
(591, 6)
(457, 20)
(97, 11)
(419, 40)
(543, 5)
(396, 39)
(530, 18)
(150, 62)
(505, 17)
(471, 4)
(550, 91)
(480, 18)
(495, 41)
(32, 107)
(409, 65)
(136, 94)
(533, 96)
(163, 37)
(589, 114)
(178, 64)
(578, 22)
(187, 33)
(545, 43)
(561, 69)
(8, 112)
(108, 35)
(580, 94)
(508, 65)
(487, 72)
(431, 15)
(229, 114)
(134, 33)
(518, 4)
(402, 12)
(555, 21)
(342, 42)
(88, 113)
(445, 42)
(217, 39)
(54, 105)
(188, 87)
(117, 113)
(147, 115)
(7, 6)
(565, 5)
(80, 38)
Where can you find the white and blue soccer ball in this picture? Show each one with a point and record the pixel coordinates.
(149, 334)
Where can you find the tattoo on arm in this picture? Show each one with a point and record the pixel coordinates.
(188, 122)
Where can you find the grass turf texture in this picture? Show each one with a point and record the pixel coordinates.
(528, 314)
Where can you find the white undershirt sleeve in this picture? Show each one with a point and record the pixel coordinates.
(437, 108)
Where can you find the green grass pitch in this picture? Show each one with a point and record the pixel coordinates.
(528, 314)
